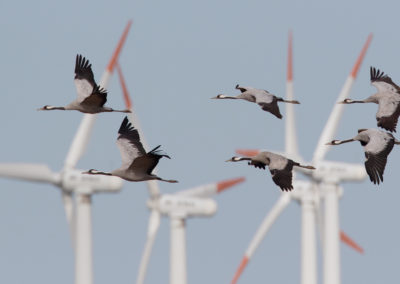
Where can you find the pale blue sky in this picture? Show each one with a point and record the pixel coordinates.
(178, 55)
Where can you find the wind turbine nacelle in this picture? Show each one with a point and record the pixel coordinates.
(185, 206)
(86, 183)
(329, 171)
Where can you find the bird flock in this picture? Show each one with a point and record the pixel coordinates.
(377, 143)
(137, 164)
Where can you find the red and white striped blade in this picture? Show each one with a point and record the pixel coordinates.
(114, 58)
(290, 125)
(211, 189)
(240, 269)
(263, 229)
(333, 120)
(247, 152)
(152, 185)
(350, 242)
(125, 92)
(289, 76)
(81, 138)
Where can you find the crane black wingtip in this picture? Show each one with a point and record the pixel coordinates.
(287, 189)
(376, 74)
(126, 126)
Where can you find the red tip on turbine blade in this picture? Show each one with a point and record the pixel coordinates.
(360, 58)
(290, 58)
(348, 241)
(239, 271)
(248, 153)
(127, 99)
(117, 51)
(222, 185)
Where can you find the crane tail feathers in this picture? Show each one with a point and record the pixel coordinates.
(158, 152)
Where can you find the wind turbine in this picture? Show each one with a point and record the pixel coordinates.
(192, 202)
(329, 180)
(308, 193)
(71, 181)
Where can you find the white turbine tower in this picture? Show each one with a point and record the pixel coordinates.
(309, 193)
(193, 202)
(71, 182)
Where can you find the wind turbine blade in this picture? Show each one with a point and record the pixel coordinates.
(211, 189)
(290, 125)
(247, 152)
(152, 185)
(281, 204)
(154, 224)
(29, 172)
(121, 42)
(82, 136)
(68, 203)
(80, 141)
(343, 236)
(240, 269)
(351, 243)
(333, 120)
(125, 92)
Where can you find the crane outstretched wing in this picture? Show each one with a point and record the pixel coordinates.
(375, 162)
(97, 99)
(383, 82)
(388, 114)
(271, 107)
(268, 102)
(283, 179)
(241, 89)
(84, 79)
(257, 164)
(375, 166)
(129, 144)
(148, 162)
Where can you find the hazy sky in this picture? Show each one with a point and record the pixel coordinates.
(178, 55)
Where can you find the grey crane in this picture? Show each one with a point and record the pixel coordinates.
(279, 166)
(387, 97)
(137, 165)
(377, 146)
(263, 98)
(91, 98)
